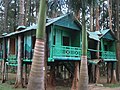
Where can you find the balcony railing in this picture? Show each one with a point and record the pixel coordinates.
(108, 55)
(67, 53)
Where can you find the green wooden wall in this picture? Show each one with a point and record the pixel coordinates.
(57, 33)
(109, 45)
(27, 45)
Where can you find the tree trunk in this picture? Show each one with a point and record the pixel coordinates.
(108, 72)
(6, 16)
(37, 8)
(27, 12)
(19, 79)
(83, 82)
(19, 76)
(91, 18)
(3, 71)
(36, 80)
(118, 58)
(110, 13)
(114, 80)
(118, 38)
(4, 41)
(97, 73)
(97, 19)
(83, 85)
(4, 60)
(37, 74)
(75, 83)
(51, 79)
(97, 66)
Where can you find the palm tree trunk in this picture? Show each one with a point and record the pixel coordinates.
(36, 79)
(83, 82)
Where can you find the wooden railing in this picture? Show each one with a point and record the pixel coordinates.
(108, 55)
(66, 53)
(74, 53)
(12, 60)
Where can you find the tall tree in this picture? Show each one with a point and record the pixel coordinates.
(91, 16)
(6, 16)
(4, 41)
(98, 44)
(118, 37)
(4, 60)
(112, 74)
(19, 80)
(75, 6)
(110, 12)
(36, 79)
(83, 82)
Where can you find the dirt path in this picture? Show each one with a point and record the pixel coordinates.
(91, 87)
(6, 86)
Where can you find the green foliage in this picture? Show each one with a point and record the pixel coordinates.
(55, 8)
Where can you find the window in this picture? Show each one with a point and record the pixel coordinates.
(66, 41)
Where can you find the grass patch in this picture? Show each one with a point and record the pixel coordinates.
(6, 86)
(112, 85)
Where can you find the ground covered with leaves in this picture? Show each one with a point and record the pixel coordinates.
(6, 86)
(9, 85)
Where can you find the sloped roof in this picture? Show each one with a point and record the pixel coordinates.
(103, 32)
(108, 34)
(93, 35)
(33, 27)
(97, 35)
(21, 27)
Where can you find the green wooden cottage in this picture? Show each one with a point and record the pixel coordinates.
(63, 40)
(64, 43)
(107, 44)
